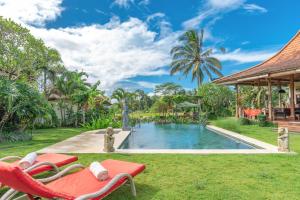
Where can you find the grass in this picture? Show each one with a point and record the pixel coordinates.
(41, 138)
(181, 177)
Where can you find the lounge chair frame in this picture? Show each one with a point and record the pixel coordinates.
(11, 193)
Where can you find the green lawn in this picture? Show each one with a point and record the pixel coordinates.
(197, 176)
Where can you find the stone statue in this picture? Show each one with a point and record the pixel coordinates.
(125, 116)
(109, 140)
(283, 139)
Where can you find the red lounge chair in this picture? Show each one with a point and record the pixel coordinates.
(81, 185)
(44, 162)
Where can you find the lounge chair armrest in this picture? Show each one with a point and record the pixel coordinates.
(41, 164)
(108, 186)
(10, 158)
(8, 195)
(61, 173)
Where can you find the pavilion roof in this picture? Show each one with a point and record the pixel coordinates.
(287, 59)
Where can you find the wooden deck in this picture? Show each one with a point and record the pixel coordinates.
(293, 126)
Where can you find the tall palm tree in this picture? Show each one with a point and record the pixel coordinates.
(51, 66)
(191, 57)
(119, 94)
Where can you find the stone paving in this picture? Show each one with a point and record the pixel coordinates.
(87, 142)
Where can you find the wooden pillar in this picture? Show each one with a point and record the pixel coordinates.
(292, 97)
(279, 94)
(270, 100)
(237, 104)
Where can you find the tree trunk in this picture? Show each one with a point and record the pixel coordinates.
(45, 83)
(4, 120)
(61, 115)
(199, 100)
(76, 114)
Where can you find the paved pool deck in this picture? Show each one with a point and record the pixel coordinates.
(87, 142)
(93, 141)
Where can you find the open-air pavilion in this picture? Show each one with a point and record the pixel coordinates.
(282, 69)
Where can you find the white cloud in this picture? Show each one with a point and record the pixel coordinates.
(240, 56)
(213, 9)
(31, 12)
(224, 4)
(146, 84)
(254, 8)
(159, 19)
(111, 52)
(123, 3)
(245, 42)
(144, 2)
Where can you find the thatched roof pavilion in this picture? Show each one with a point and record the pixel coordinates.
(281, 69)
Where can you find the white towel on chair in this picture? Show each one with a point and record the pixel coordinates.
(28, 160)
(98, 171)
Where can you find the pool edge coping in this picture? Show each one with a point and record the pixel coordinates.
(262, 147)
(248, 140)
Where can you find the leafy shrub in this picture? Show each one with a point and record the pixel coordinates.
(101, 123)
(15, 136)
(262, 120)
(245, 121)
(228, 124)
(203, 119)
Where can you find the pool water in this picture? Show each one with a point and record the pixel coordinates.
(178, 136)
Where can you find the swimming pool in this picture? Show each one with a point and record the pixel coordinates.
(179, 136)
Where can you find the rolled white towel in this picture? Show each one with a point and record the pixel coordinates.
(98, 171)
(28, 160)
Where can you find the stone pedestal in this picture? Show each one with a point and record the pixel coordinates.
(283, 139)
(109, 140)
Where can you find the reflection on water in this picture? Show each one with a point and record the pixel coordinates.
(178, 136)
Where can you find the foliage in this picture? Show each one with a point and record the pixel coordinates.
(22, 57)
(191, 57)
(203, 119)
(229, 124)
(216, 100)
(14, 136)
(102, 122)
(262, 120)
(245, 121)
(160, 106)
(21, 105)
(168, 88)
(257, 97)
(76, 97)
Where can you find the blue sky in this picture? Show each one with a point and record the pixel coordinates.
(126, 43)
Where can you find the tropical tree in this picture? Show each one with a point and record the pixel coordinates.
(66, 85)
(51, 67)
(120, 94)
(85, 97)
(168, 88)
(191, 57)
(20, 105)
(217, 101)
(21, 55)
(143, 101)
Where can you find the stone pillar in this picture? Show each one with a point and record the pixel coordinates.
(292, 97)
(109, 140)
(270, 100)
(283, 139)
